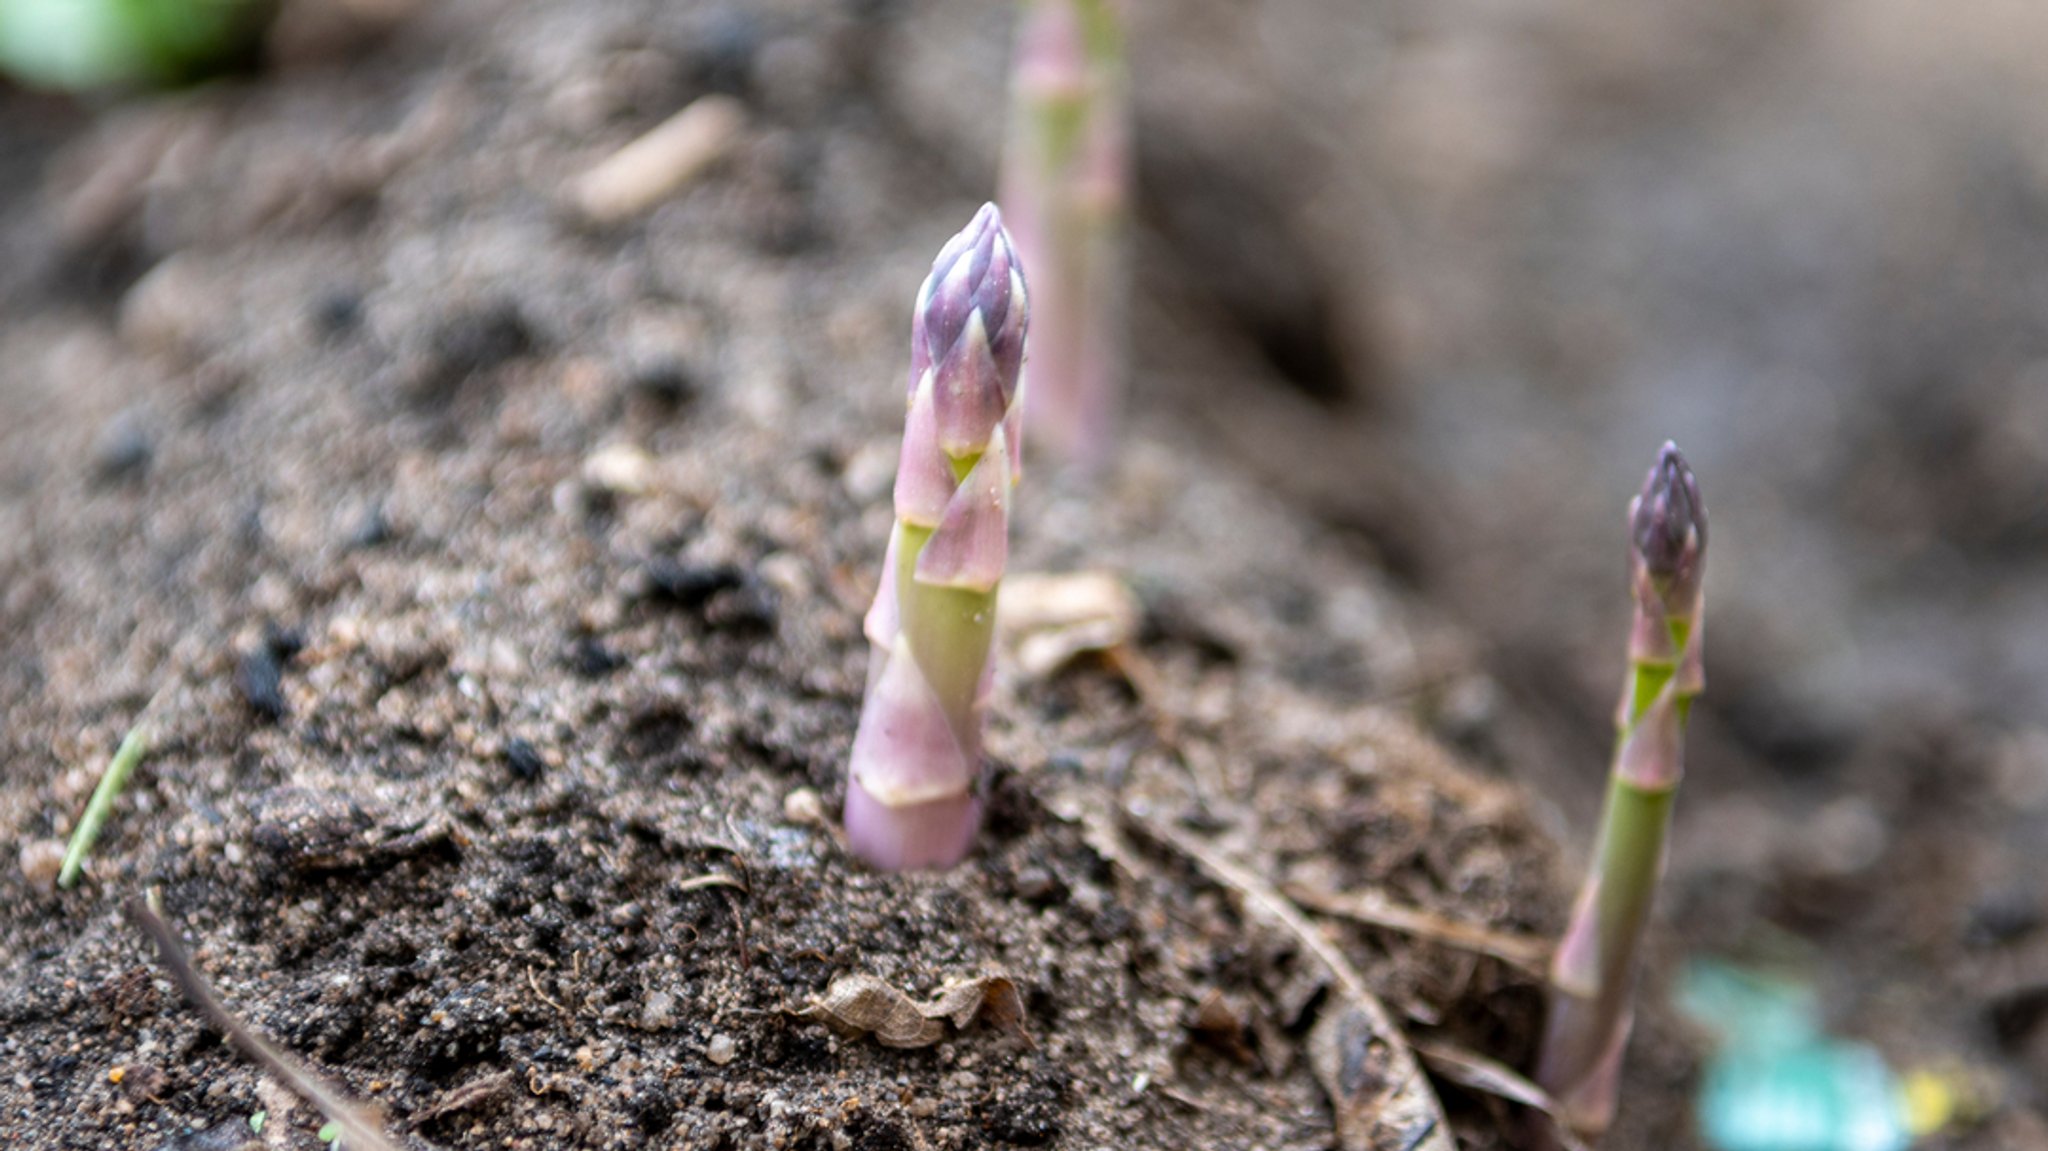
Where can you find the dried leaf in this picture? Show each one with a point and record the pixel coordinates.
(1050, 619)
(858, 1005)
(1379, 1098)
(993, 999)
(1478, 1073)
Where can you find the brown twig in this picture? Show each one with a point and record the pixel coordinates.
(360, 1130)
(1523, 952)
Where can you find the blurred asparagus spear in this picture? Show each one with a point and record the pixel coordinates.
(1065, 188)
(1593, 973)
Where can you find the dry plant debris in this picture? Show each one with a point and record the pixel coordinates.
(1476, 1072)
(661, 163)
(361, 1130)
(1372, 908)
(1048, 620)
(859, 1005)
(1377, 1090)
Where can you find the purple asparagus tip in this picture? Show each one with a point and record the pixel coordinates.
(1669, 521)
(970, 328)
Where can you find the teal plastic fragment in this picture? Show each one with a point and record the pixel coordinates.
(1777, 1082)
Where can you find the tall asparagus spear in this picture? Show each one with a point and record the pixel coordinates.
(911, 797)
(1065, 187)
(1593, 974)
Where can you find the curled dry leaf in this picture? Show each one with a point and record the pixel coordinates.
(1047, 620)
(1375, 1090)
(860, 1004)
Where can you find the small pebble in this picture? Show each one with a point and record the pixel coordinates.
(524, 761)
(1036, 884)
(689, 585)
(574, 500)
(621, 469)
(123, 450)
(659, 1013)
(466, 343)
(786, 573)
(480, 338)
(803, 807)
(40, 861)
(666, 380)
(721, 1049)
(259, 676)
(727, 38)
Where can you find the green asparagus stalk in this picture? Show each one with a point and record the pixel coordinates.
(1593, 972)
(1065, 191)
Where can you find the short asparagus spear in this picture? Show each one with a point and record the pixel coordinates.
(1065, 184)
(911, 797)
(1593, 973)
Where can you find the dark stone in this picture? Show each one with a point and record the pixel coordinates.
(524, 761)
(283, 642)
(475, 341)
(590, 659)
(259, 676)
(666, 381)
(336, 312)
(465, 345)
(690, 586)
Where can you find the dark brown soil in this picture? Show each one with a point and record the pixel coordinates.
(499, 577)
(502, 577)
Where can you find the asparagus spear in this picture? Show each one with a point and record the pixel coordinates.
(911, 797)
(1593, 973)
(1065, 186)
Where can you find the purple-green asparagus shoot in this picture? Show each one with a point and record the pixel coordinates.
(911, 796)
(1593, 972)
(1065, 188)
